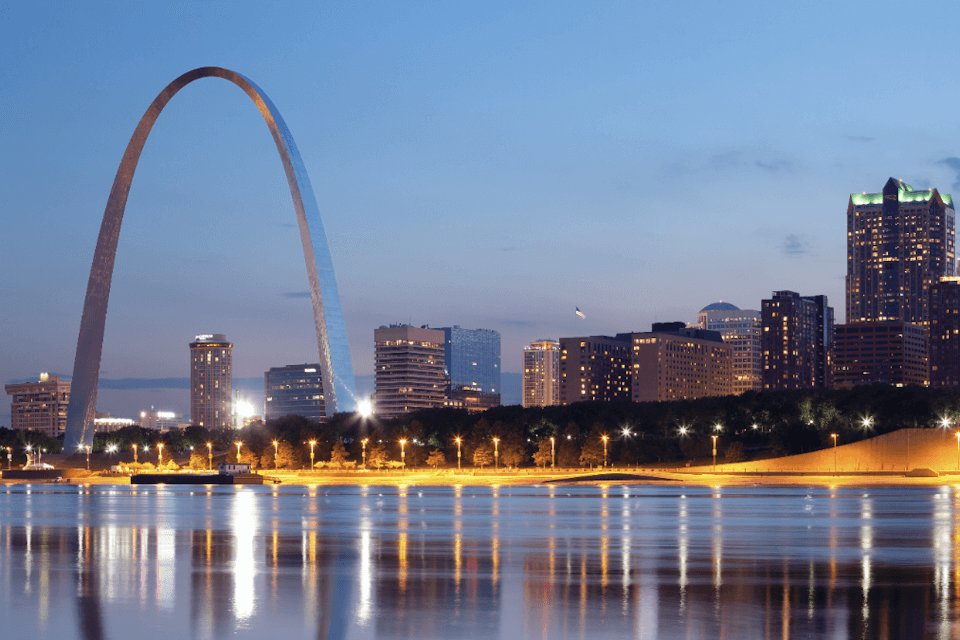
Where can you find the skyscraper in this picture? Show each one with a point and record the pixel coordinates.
(594, 369)
(899, 243)
(797, 341)
(211, 381)
(741, 330)
(472, 359)
(879, 353)
(295, 389)
(541, 371)
(409, 370)
(40, 406)
(945, 333)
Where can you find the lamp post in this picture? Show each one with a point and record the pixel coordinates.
(496, 454)
(834, 436)
(276, 454)
(459, 453)
(88, 457)
(159, 454)
(135, 461)
(239, 444)
(714, 436)
(403, 454)
(604, 438)
(364, 443)
(313, 443)
(209, 456)
(10, 457)
(958, 450)
(553, 457)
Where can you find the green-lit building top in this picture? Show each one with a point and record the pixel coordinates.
(906, 193)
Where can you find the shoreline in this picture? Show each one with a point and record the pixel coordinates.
(612, 477)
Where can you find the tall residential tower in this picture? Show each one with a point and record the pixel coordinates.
(741, 329)
(797, 341)
(409, 370)
(211, 381)
(541, 374)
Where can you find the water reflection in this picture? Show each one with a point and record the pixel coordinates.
(440, 562)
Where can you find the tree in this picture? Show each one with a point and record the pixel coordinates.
(592, 451)
(542, 457)
(198, 461)
(290, 457)
(377, 455)
(512, 450)
(482, 455)
(436, 458)
(568, 448)
(338, 455)
(735, 453)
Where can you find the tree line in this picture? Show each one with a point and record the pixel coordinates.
(753, 425)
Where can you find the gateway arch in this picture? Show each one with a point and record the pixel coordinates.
(335, 365)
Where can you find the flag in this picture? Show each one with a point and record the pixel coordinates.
(580, 313)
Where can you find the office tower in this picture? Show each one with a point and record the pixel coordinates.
(294, 390)
(409, 370)
(675, 362)
(899, 243)
(472, 360)
(945, 333)
(741, 330)
(879, 353)
(40, 406)
(594, 369)
(796, 342)
(211, 381)
(541, 374)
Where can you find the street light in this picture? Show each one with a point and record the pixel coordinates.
(958, 450)
(867, 422)
(10, 457)
(159, 454)
(313, 443)
(239, 444)
(88, 457)
(364, 443)
(403, 453)
(135, 461)
(604, 438)
(209, 456)
(458, 454)
(715, 451)
(553, 457)
(834, 436)
(496, 454)
(276, 454)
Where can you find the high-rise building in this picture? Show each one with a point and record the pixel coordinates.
(472, 361)
(674, 362)
(594, 369)
(161, 420)
(879, 353)
(945, 333)
(296, 390)
(899, 243)
(211, 381)
(40, 406)
(797, 340)
(409, 371)
(741, 329)
(541, 374)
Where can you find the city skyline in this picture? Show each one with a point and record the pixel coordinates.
(654, 175)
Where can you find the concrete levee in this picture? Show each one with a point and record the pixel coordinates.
(895, 452)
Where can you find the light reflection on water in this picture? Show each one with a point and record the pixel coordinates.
(479, 562)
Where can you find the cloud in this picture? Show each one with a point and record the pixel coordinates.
(514, 323)
(954, 165)
(296, 294)
(795, 245)
(775, 166)
(853, 138)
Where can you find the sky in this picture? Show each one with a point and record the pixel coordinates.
(487, 164)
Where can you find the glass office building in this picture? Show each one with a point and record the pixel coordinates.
(294, 390)
(472, 358)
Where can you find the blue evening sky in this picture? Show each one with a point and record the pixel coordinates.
(487, 164)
